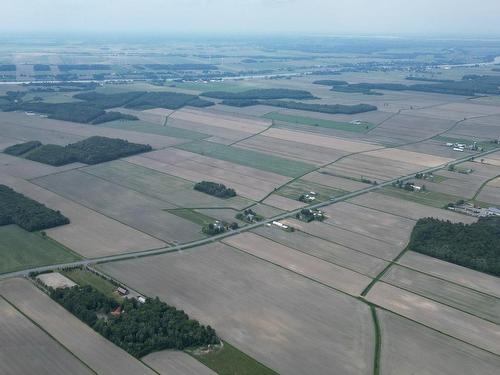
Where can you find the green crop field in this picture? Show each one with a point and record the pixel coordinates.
(82, 278)
(230, 361)
(20, 250)
(429, 198)
(195, 217)
(258, 160)
(147, 127)
(345, 126)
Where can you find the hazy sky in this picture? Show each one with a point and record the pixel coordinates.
(479, 17)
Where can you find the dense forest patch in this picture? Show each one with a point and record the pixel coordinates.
(475, 246)
(22, 148)
(92, 150)
(15, 208)
(138, 328)
(215, 189)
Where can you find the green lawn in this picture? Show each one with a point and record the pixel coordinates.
(147, 127)
(20, 250)
(195, 217)
(429, 198)
(82, 278)
(254, 159)
(296, 188)
(363, 128)
(231, 361)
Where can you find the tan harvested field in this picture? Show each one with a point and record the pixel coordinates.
(26, 349)
(248, 182)
(407, 209)
(448, 271)
(372, 167)
(317, 140)
(454, 295)
(283, 203)
(404, 128)
(27, 169)
(484, 128)
(314, 268)
(219, 134)
(491, 192)
(334, 181)
(222, 120)
(348, 238)
(153, 183)
(127, 206)
(169, 362)
(422, 160)
(89, 233)
(464, 185)
(152, 116)
(287, 322)
(410, 348)
(372, 223)
(95, 351)
(455, 323)
(326, 250)
(457, 111)
(8, 141)
(63, 132)
(308, 153)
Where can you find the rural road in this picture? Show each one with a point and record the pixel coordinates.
(204, 241)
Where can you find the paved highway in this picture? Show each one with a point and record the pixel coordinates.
(204, 241)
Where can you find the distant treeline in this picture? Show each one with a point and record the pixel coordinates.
(138, 328)
(70, 67)
(143, 100)
(215, 189)
(323, 108)
(470, 85)
(177, 66)
(92, 150)
(76, 112)
(260, 94)
(15, 208)
(475, 246)
(7, 68)
(41, 68)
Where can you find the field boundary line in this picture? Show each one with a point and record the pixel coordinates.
(47, 333)
(444, 279)
(311, 255)
(440, 302)
(426, 326)
(483, 185)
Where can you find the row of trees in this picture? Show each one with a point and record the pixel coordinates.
(260, 94)
(22, 148)
(138, 328)
(475, 246)
(15, 208)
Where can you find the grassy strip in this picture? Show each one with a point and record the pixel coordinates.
(378, 341)
(345, 126)
(191, 215)
(230, 361)
(82, 278)
(253, 159)
(20, 250)
(428, 198)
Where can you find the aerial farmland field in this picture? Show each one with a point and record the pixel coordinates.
(250, 205)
